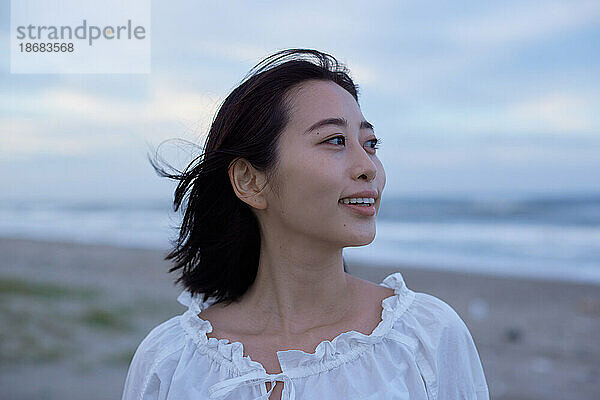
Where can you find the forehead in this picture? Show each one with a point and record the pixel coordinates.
(316, 100)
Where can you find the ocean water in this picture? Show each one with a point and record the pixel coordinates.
(540, 237)
(547, 238)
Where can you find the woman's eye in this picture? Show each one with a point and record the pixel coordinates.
(342, 141)
(376, 142)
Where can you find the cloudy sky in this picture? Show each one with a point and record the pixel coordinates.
(479, 98)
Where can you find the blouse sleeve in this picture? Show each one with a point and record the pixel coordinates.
(446, 355)
(143, 381)
(460, 372)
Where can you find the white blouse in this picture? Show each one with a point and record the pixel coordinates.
(421, 350)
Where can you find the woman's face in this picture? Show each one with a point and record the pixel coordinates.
(319, 167)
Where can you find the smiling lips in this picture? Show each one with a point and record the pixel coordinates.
(363, 206)
(361, 203)
(359, 195)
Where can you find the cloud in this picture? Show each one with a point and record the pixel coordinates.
(523, 23)
(231, 50)
(571, 114)
(521, 154)
(556, 113)
(67, 121)
(23, 138)
(163, 104)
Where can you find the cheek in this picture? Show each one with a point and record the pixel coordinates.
(380, 174)
(315, 176)
(312, 192)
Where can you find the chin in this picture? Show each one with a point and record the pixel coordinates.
(362, 240)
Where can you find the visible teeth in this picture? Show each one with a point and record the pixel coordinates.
(358, 200)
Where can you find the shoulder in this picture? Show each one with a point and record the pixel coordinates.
(436, 313)
(446, 354)
(163, 340)
(419, 313)
(164, 343)
(434, 323)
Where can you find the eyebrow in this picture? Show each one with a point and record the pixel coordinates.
(342, 122)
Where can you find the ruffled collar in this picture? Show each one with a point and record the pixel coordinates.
(328, 354)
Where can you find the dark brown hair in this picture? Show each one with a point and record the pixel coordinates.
(217, 250)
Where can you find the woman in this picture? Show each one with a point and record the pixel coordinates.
(289, 177)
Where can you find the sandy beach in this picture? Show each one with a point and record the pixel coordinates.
(71, 316)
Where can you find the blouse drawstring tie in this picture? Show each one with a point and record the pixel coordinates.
(221, 389)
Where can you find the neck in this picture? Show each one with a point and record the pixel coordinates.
(298, 287)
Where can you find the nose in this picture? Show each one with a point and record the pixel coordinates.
(363, 166)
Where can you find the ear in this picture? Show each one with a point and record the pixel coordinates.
(248, 183)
